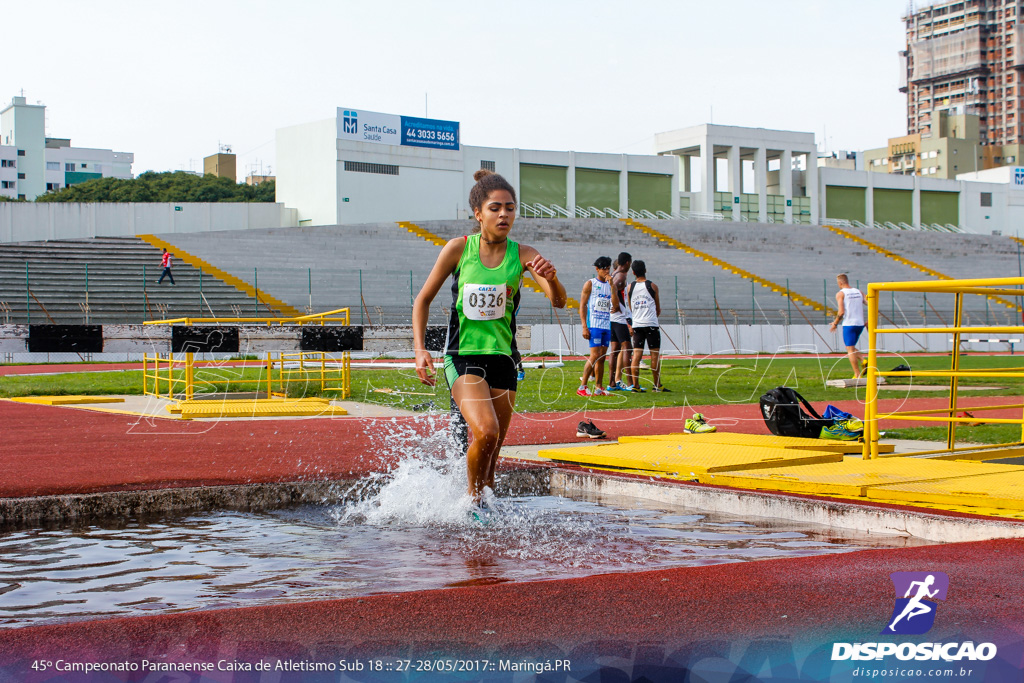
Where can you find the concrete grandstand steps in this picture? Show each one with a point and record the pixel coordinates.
(809, 256)
(122, 275)
(336, 262)
(334, 257)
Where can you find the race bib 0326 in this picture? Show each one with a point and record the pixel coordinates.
(483, 302)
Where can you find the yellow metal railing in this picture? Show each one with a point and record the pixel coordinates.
(912, 264)
(728, 267)
(332, 374)
(177, 378)
(315, 367)
(162, 371)
(959, 288)
(340, 315)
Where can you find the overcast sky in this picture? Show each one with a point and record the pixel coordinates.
(169, 81)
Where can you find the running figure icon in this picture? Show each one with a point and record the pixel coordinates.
(915, 606)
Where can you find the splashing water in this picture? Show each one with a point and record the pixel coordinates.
(427, 489)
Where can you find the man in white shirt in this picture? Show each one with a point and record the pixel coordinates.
(851, 313)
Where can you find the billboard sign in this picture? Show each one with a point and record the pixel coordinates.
(360, 125)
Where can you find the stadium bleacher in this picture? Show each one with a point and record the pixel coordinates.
(116, 276)
(377, 269)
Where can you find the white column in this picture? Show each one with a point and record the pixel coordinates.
(624, 186)
(761, 179)
(812, 184)
(786, 182)
(707, 177)
(869, 200)
(570, 184)
(674, 205)
(735, 179)
(915, 206)
(962, 204)
(515, 174)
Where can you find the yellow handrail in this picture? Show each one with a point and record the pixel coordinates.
(913, 264)
(332, 316)
(725, 265)
(207, 267)
(947, 415)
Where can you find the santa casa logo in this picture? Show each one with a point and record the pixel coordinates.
(916, 595)
(350, 122)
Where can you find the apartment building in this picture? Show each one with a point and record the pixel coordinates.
(32, 164)
(965, 54)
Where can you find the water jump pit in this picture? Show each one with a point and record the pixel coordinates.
(407, 529)
(285, 583)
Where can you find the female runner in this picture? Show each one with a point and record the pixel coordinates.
(486, 270)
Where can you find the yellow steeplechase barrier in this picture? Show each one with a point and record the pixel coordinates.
(528, 282)
(989, 287)
(177, 379)
(66, 400)
(907, 262)
(686, 460)
(316, 368)
(166, 373)
(761, 440)
(303, 407)
(856, 478)
(730, 268)
(270, 302)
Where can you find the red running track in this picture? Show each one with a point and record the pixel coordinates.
(667, 618)
(808, 602)
(54, 450)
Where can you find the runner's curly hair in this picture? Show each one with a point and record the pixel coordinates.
(486, 183)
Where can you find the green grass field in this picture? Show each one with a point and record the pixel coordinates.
(554, 389)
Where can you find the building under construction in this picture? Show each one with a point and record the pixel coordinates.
(965, 56)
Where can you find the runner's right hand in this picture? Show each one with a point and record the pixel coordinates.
(425, 367)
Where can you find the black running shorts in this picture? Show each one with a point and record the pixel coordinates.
(620, 332)
(650, 335)
(499, 371)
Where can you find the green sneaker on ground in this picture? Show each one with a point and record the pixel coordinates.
(698, 424)
(838, 432)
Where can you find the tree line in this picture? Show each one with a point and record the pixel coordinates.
(171, 186)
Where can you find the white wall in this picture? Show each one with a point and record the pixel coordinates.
(306, 164)
(428, 185)
(23, 222)
(128, 342)
(764, 339)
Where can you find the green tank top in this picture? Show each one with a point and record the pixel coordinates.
(484, 302)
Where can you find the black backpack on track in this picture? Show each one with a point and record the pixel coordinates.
(781, 411)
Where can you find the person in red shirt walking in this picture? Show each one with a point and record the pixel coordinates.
(165, 261)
